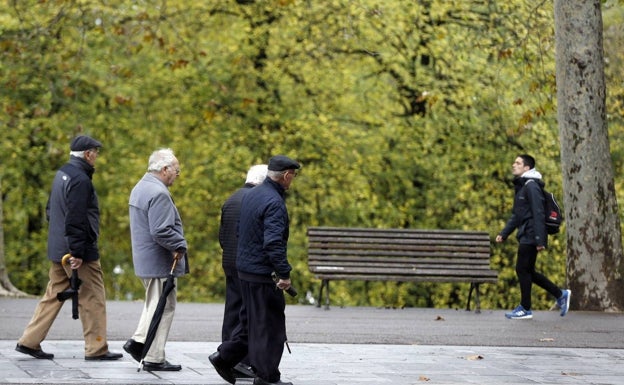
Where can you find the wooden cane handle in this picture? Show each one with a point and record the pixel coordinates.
(65, 259)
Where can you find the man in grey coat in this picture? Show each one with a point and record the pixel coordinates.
(157, 239)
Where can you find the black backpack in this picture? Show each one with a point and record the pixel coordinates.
(552, 210)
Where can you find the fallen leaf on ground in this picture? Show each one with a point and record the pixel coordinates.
(423, 378)
(439, 318)
(571, 374)
(475, 357)
(547, 339)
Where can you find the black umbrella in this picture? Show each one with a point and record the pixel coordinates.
(160, 308)
(72, 292)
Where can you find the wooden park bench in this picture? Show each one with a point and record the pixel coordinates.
(400, 255)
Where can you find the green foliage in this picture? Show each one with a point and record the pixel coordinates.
(403, 114)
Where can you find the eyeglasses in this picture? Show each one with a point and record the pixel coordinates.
(176, 169)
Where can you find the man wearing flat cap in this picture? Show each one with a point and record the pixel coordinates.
(263, 236)
(73, 215)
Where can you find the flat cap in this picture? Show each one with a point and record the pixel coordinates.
(83, 143)
(281, 163)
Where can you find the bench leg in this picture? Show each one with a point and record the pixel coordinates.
(475, 286)
(324, 284)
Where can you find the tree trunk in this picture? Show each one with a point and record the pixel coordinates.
(6, 287)
(594, 245)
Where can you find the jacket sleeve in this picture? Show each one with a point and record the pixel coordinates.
(513, 223)
(222, 232)
(276, 237)
(510, 226)
(163, 226)
(77, 221)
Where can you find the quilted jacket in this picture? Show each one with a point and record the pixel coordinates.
(263, 232)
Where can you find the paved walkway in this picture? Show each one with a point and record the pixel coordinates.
(343, 346)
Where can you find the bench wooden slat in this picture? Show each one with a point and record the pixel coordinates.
(409, 270)
(444, 278)
(389, 255)
(400, 265)
(337, 253)
(484, 248)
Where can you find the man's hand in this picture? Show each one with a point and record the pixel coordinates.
(499, 238)
(75, 263)
(283, 283)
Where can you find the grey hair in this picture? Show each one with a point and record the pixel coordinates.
(159, 159)
(275, 174)
(77, 154)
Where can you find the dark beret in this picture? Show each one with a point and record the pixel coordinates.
(281, 163)
(83, 143)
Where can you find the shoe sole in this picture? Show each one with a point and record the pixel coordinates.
(528, 316)
(148, 369)
(103, 358)
(567, 306)
(48, 356)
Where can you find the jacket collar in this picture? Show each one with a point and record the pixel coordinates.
(276, 186)
(82, 164)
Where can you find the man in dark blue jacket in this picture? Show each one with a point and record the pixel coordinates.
(228, 239)
(74, 215)
(529, 218)
(263, 237)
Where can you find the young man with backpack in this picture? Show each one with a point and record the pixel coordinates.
(529, 218)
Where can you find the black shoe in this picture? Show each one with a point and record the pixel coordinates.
(108, 356)
(224, 370)
(37, 353)
(260, 381)
(135, 349)
(161, 367)
(243, 371)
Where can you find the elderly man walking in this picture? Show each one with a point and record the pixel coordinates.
(157, 239)
(73, 213)
(262, 252)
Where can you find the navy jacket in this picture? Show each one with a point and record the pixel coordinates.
(73, 213)
(228, 228)
(263, 232)
(528, 213)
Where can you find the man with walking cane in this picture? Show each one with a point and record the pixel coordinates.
(263, 236)
(74, 214)
(157, 240)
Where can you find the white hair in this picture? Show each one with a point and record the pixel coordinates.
(77, 154)
(256, 174)
(159, 159)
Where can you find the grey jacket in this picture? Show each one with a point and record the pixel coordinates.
(155, 229)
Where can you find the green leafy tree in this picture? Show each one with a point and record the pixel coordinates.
(403, 114)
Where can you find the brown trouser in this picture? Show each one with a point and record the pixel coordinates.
(92, 308)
